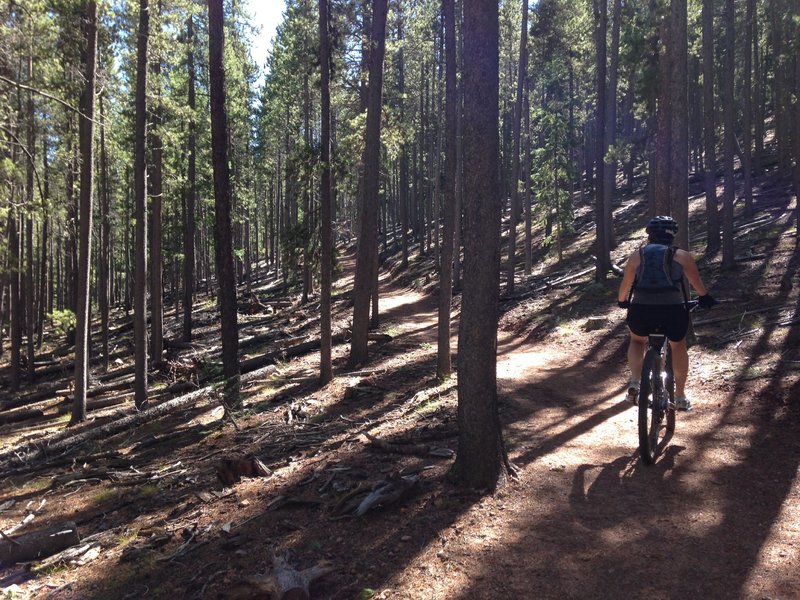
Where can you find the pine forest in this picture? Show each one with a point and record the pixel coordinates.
(398, 301)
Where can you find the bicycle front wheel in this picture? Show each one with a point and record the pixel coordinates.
(651, 412)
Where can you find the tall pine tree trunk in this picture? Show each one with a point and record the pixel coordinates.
(226, 273)
(105, 238)
(15, 302)
(679, 131)
(157, 189)
(87, 176)
(709, 133)
(516, 168)
(30, 293)
(480, 459)
(663, 148)
(728, 115)
(140, 210)
(747, 110)
(189, 210)
(444, 361)
(601, 26)
(610, 133)
(326, 237)
(367, 257)
(44, 259)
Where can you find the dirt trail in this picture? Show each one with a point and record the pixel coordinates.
(717, 516)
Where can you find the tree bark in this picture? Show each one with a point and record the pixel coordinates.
(516, 166)
(610, 132)
(709, 150)
(679, 130)
(728, 109)
(38, 544)
(747, 110)
(30, 294)
(189, 218)
(45, 282)
(15, 321)
(367, 257)
(157, 193)
(444, 360)
(140, 209)
(326, 237)
(602, 250)
(223, 248)
(87, 176)
(663, 148)
(480, 459)
(105, 239)
(401, 89)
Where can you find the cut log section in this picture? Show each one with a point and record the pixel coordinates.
(38, 544)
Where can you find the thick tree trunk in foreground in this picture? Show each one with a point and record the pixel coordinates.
(479, 463)
(226, 274)
(87, 177)
(367, 258)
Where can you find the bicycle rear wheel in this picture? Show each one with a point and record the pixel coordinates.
(669, 382)
(651, 411)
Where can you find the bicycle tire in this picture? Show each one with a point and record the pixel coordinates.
(650, 415)
(669, 381)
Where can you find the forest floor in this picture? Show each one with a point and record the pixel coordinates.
(717, 516)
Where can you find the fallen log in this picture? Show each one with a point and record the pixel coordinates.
(16, 416)
(121, 372)
(410, 448)
(43, 394)
(38, 544)
(181, 345)
(251, 364)
(257, 362)
(36, 451)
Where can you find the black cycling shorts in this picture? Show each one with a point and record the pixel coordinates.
(671, 319)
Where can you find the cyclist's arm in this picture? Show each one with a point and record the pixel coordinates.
(628, 276)
(686, 260)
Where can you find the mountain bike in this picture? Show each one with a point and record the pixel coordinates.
(657, 396)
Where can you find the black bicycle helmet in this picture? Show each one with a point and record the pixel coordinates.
(662, 226)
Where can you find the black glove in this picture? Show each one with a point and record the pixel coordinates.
(706, 301)
(623, 303)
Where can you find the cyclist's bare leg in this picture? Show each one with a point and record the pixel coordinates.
(636, 350)
(680, 366)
